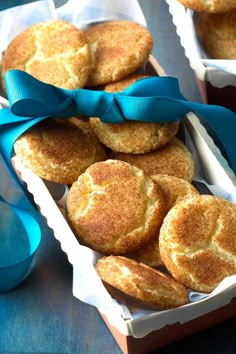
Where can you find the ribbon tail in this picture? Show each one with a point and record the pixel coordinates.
(223, 122)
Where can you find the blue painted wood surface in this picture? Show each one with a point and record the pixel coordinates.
(41, 315)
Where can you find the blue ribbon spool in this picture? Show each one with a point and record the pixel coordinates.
(20, 238)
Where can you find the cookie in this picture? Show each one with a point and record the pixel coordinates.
(212, 6)
(174, 190)
(133, 137)
(139, 284)
(198, 242)
(217, 34)
(119, 48)
(55, 52)
(173, 159)
(59, 150)
(114, 208)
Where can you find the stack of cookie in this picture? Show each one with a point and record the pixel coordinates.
(146, 228)
(131, 197)
(215, 25)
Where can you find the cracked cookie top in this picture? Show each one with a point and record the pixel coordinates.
(55, 52)
(114, 208)
(118, 48)
(198, 241)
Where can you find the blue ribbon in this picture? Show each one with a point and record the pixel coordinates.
(152, 99)
(6, 4)
(13, 274)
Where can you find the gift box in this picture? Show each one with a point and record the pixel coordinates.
(137, 330)
(216, 79)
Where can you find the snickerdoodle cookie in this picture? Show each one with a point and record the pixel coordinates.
(217, 33)
(114, 208)
(198, 241)
(213, 6)
(118, 49)
(132, 136)
(59, 150)
(173, 159)
(55, 52)
(139, 284)
(174, 190)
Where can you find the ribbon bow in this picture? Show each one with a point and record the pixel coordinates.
(152, 99)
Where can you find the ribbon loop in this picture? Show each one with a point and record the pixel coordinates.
(35, 99)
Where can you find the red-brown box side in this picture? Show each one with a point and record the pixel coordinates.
(224, 96)
(171, 333)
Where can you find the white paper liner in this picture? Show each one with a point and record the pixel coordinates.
(219, 73)
(80, 13)
(17, 19)
(87, 286)
(85, 13)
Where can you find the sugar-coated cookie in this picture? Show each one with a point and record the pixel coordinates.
(198, 242)
(59, 150)
(212, 6)
(114, 208)
(139, 284)
(118, 49)
(174, 190)
(133, 137)
(173, 159)
(54, 51)
(217, 34)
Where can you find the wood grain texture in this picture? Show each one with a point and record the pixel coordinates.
(41, 315)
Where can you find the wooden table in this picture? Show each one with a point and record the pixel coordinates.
(41, 315)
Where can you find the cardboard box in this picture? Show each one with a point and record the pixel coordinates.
(171, 333)
(216, 79)
(140, 331)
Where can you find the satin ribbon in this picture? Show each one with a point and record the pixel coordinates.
(152, 99)
(13, 274)
(6, 4)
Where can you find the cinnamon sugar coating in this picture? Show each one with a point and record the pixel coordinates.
(217, 33)
(59, 150)
(114, 208)
(55, 52)
(174, 190)
(140, 283)
(211, 6)
(198, 242)
(173, 159)
(118, 49)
